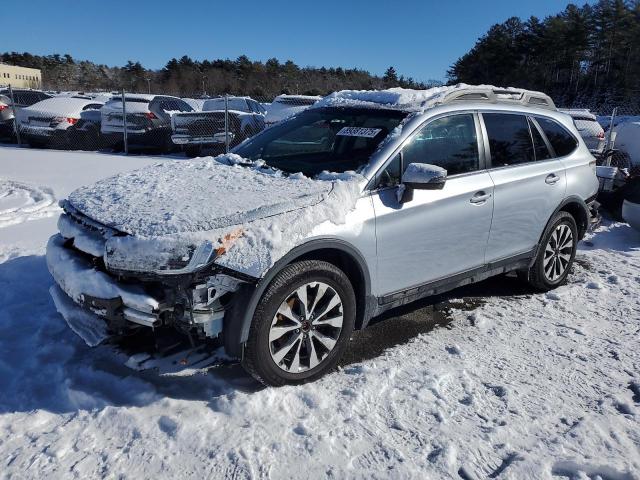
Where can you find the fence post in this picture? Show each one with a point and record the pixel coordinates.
(124, 125)
(610, 133)
(15, 116)
(226, 123)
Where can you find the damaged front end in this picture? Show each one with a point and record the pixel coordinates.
(102, 296)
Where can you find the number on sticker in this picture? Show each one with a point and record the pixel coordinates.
(359, 132)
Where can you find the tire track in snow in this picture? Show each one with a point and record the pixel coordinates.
(21, 202)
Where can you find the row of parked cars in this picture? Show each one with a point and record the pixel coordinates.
(160, 122)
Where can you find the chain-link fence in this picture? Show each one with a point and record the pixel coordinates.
(209, 125)
(612, 133)
(134, 122)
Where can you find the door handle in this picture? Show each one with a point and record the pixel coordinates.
(552, 179)
(480, 197)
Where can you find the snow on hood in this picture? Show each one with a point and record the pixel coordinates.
(170, 209)
(192, 195)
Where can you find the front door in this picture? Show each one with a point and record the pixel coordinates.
(438, 233)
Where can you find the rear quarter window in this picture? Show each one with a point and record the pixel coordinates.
(562, 141)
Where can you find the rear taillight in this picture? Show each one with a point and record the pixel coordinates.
(3, 106)
(601, 136)
(150, 115)
(69, 120)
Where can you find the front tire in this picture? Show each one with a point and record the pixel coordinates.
(556, 253)
(301, 325)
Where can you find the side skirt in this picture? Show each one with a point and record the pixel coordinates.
(437, 287)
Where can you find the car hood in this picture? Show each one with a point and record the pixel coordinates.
(188, 196)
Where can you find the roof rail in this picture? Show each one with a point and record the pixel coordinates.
(500, 95)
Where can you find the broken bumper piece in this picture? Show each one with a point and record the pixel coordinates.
(96, 294)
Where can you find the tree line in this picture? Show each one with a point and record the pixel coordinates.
(188, 77)
(588, 55)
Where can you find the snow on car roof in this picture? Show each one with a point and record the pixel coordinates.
(61, 105)
(394, 98)
(407, 99)
(139, 96)
(300, 97)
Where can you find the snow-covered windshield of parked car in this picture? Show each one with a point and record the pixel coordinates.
(332, 139)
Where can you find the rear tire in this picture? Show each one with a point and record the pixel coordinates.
(556, 254)
(301, 325)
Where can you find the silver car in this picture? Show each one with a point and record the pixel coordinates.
(23, 98)
(590, 130)
(362, 203)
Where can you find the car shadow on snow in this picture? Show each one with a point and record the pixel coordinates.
(45, 366)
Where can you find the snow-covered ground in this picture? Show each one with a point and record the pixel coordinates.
(517, 385)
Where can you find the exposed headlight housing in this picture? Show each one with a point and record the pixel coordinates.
(200, 257)
(164, 256)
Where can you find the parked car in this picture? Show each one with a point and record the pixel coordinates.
(284, 106)
(195, 103)
(46, 123)
(589, 128)
(24, 98)
(148, 120)
(85, 133)
(196, 131)
(627, 140)
(364, 202)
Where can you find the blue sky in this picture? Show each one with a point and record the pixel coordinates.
(419, 38)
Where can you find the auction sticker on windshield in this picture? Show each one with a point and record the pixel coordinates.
(359, 132)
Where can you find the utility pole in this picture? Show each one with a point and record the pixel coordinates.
(148, 85)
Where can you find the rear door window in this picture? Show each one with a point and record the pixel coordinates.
(510, 139)
(559, 137)
(539, 145)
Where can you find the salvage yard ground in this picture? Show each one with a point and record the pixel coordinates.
(493, 381)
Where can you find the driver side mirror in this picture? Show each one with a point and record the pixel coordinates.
(422, 176)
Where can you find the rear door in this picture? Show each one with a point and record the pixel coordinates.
(529, 183)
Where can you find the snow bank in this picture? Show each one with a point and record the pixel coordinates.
(520, 385)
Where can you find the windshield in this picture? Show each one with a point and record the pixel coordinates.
(239, 104)
(333, 139)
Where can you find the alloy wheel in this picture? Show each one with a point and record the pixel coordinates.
(558, 252)
(306, 327)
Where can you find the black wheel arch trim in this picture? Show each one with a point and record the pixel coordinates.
(582, 229)
(584, 209)
(236, 328)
